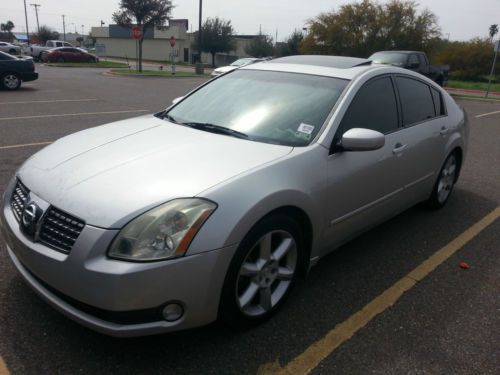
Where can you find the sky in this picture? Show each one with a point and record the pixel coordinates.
(458, 19)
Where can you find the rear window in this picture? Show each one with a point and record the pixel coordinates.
(416, 100)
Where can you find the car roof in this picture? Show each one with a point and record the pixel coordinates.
(332, 66)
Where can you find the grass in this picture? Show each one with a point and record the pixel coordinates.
(160, 73)
(100, 64)
(473, 85)
(490, 99)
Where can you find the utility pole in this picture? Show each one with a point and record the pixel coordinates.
(102, 23)
(26, 17)
(199, 34)
(36, 12)
(64, 28)
(82, 29)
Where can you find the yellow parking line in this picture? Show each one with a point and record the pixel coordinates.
(3, 367)
(487, 114)
(308, 360)
(73, 114)
(25, 145)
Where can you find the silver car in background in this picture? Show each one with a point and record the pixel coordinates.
(212, 208)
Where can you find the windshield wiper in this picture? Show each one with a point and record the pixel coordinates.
(165, 115)
(216, 129)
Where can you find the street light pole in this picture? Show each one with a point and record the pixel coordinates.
(64, 27)
(199, 34)
(26, 17)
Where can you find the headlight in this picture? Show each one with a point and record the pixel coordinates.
(164, 232)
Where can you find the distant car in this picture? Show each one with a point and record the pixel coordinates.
(37, 50)
(68, 54)
(10, 48)
(237, 64)
(14, 70)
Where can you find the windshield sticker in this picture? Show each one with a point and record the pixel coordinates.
(305, 129)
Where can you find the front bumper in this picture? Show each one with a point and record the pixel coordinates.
(93, 289)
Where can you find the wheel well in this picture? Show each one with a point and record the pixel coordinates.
(458, 152)
(305, 225)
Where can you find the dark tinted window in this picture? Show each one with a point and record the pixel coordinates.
(438, 102)
(416, 100)
(413, 59)
(374, 107)
(422, 60)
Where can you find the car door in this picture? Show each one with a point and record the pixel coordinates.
(364, 187)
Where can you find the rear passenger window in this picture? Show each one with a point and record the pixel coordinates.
(416, 100)
(438, 102)
(374, 107)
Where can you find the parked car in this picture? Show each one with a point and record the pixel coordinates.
(211, 210)
(10, 48)
(413, 60)
(36, 50)
(236, 64)
(68, 54)
(14, 70)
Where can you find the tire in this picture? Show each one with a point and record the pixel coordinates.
(440, 81)
(60, 59)
(262, 272)
(91, 60)
(10, 81)
(445, 182)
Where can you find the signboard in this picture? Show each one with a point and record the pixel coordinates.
(100, 49)
(136, 32)
(172, 41)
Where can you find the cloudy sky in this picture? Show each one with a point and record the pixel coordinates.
(461, 19)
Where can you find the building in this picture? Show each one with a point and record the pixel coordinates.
(118, 42)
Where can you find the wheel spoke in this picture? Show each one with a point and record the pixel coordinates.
(248, 295)
(283, 248)
(265, 298)
(265, 247)
(284, 273)
(249, 269)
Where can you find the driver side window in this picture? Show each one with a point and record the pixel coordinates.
(374, 107)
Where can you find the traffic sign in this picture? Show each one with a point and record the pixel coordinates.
(136, 32)
(172, 41)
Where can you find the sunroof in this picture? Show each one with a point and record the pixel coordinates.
(340, 62)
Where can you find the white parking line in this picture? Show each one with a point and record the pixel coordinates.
(50, 101)
(487, 114)
(25, 145)
(72, 114)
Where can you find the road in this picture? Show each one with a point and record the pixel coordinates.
(447, 322)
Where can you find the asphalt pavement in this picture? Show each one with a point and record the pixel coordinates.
(447, 323)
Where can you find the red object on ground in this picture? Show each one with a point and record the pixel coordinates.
(464, 265)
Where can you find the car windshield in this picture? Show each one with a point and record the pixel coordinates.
(241, 62)
(267, 106)
(392, 58)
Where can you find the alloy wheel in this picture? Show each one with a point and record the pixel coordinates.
(11, 81)
(447, 179)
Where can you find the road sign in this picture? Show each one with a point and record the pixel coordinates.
(136, 32)
(172, 41)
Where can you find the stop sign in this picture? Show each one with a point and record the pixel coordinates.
(136, 32)
(172, 41)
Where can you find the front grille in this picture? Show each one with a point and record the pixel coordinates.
(60, 230)
(18, 199)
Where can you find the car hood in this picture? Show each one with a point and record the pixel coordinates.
(109, 174)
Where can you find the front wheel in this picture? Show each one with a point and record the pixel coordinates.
(11, 81)
(445, 182)
(262, 272)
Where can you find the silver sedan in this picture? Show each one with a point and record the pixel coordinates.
(212, 208)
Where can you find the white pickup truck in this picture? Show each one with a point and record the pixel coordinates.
(36, 51)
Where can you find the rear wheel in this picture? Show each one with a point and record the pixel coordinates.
(11, 81)
(262, 272)
(445, 182)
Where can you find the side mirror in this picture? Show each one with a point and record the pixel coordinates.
(359, 139)
(177, 100)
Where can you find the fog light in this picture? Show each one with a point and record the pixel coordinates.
(172, 312)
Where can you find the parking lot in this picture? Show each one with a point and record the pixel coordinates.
(445, 322)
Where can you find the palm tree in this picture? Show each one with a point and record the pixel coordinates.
(493, 31)
(7, 27)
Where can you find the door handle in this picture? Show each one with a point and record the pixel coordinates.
(398, 148)
(444, 130)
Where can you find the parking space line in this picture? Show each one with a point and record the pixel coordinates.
(25, 145)
(3, 367)
(73, 114)
(51, 101)
(308, 360)
(487, 114)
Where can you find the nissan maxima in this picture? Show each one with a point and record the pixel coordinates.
(211, 209)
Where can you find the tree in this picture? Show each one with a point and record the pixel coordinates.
(291, 45)
(7, 27)
(46, 33)
(359, 29)
(142, 13)
(493, 31)
(216, 36)
(260, 46)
